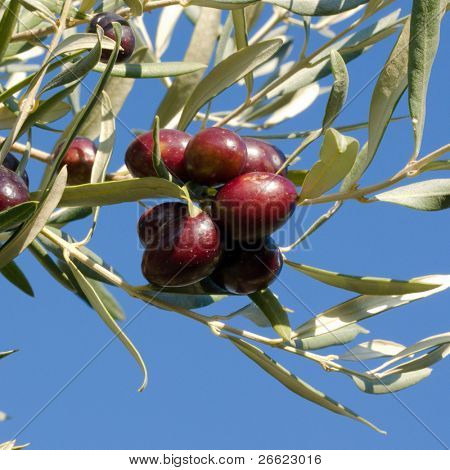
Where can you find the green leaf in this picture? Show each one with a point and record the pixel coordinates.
(297, 176)
(373, 349)
(81, 41)
(200, 50)
(430, 195)
(337, 156)
(8, 24)
(390, 86)
(424, 33)
(274, 311)
(437, 165)
(76, 71)
(364, 285)
(30, 229)
(118, 90)
(117, 192)
(166, 25)
(390, 384)
(14, 216)
(338, 337)
(295, 384)
(317, 7)
(152, 70)
(15, 276)
(106, 316)
(435, 341)
(135, 6)
(227, 72)
(39, 9)
(365, 306)
(63, 216)
(240, 35)
(45, 260)
(4, 354)
(338, 94)
(158, 164)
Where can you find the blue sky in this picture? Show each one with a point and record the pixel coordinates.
(203, 393)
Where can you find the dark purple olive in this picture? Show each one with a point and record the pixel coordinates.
(13, 190)
(264, 157)
(215, 156)
(138, 157)
(248, 268)
(12, 163)
(127, 41)
(179, 249)
(254, 205)
(79, 159)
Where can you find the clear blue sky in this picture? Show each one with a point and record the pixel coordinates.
(203, 393)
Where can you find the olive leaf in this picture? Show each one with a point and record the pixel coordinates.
(30, 229)
(227, 72)
(16, 215)
(136, 6)
(166, 25)
(337, 156)
(338, 94)
(157, 161)
(151, 70)
(15, 276)
(390, 86)
(200, 50)
(338, 337)
(8, 24)
(295, 384)
(424, 34)
(364, 285)
(430, 195)
(240, 35)
(80, 41)
(106, 316)
(317, 7)
(117, 192)
(365, 306)
(274, 311)
(372, 349)
(391, 384)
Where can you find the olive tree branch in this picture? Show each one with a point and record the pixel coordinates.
(410, 170)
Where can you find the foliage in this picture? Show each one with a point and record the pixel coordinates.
(278, 87)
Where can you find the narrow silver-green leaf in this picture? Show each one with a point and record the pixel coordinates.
(81, 41)
(152, 70)
(14, 216)
(106, 316)
(373, 349)
(240, 36)
(430, 195)
(391, 384)
(199, 50)
(17, 243)
(333, 338)
(365, 306)
(15, 276)
(338, 94)
(390, 86)
(365, 284)
(295, 384)
(227, 72)
(424, 33)
(8, 24)
(117, 192)
(337, 156)
(317, 7)
(274, 311)
(136, 6)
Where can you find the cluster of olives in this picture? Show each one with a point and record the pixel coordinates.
(229, 240)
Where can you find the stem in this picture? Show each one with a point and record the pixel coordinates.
(35, 153)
